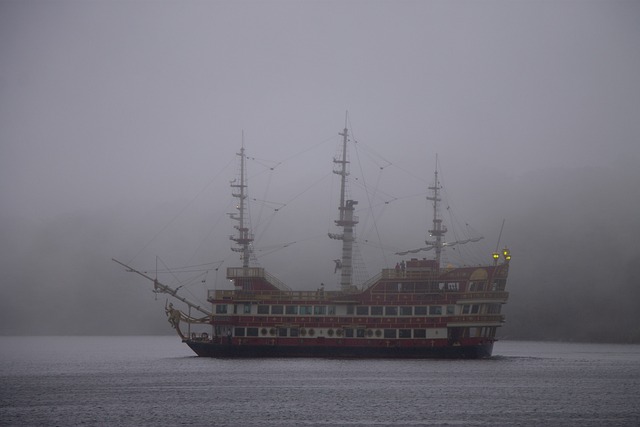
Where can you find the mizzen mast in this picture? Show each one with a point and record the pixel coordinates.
(438, 231)
(244, 237)
(347, 220)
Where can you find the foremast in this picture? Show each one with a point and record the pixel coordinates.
(244, 237)
(346, 220)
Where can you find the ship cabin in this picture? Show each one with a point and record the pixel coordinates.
(414, 304)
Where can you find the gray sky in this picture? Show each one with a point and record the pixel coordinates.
(116, 109)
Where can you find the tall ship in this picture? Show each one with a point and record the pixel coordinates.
(418, 308)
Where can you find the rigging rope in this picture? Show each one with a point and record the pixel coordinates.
(181, 212)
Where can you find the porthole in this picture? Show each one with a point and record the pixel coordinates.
(369, 333)
(311, 332)
(330, 332)
(378, 333)
(339, 332)
(303, 332)
(263, 331)
(272, 331)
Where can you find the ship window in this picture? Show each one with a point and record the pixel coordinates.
(221, 309)
(238, 332)
(282, 332)
(348, 332)
(404, 333)
(406, 311)
(475, 308)
(291, 309)
(391, 311)
(451, 309)
(494, 308)
(331, 309)
(293, 332)
(305, 309)
(465, 309)
(376, 310)
(263, 309)
(362, 310)
(435, 310)
(421, 310)
(247, 309)
(350, 309)
(419, 333)
(390, 333)
(360, 333)
(276, 309)
(320, 309)
(252, 332)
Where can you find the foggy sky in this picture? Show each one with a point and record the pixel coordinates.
(119, 122)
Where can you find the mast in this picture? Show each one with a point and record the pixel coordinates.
(347, 220)
(438, 231)
(239, 190)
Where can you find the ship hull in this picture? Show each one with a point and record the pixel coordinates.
(221, 350)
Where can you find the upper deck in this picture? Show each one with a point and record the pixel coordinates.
(419, 281)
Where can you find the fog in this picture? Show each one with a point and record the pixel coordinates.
(119, 124)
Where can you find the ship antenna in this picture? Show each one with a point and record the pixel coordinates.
(244, 237)
(438, 231)
(496, 254)
(346, 220)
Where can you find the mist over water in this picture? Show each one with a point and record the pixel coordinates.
(119, 124)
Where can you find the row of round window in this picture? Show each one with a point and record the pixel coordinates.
(303, 332)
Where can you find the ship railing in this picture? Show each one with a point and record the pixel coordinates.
(494, 295)
(410, 273)
(276, 282)
(494, 318)
(256, 272)
(372, 281)
(237, 272)
(238, 295)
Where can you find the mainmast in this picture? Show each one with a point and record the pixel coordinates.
(347, 220)
(438, 231)
(244, 237)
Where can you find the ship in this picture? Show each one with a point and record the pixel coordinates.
(417, 309)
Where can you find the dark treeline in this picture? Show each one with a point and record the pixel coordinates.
(576, 274)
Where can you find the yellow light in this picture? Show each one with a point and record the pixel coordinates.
(496, 255)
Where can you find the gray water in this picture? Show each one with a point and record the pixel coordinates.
(117, 381)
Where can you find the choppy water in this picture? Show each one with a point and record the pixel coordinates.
(114, 381)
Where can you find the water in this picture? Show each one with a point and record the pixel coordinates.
(118, 381)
